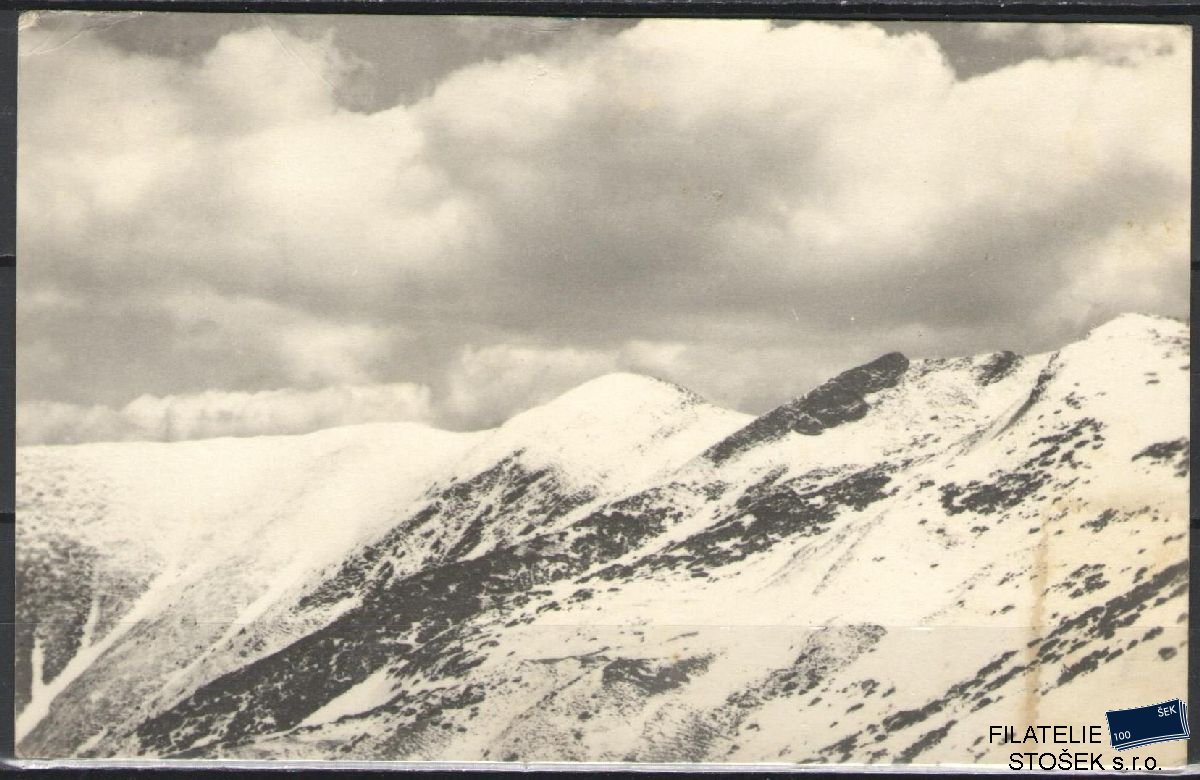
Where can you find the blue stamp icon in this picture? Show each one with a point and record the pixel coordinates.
(1139, 726)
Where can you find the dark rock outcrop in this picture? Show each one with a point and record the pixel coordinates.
(840, 400)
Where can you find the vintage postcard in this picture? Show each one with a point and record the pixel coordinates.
(517, 389)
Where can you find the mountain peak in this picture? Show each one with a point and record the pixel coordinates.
(617, 427)
(607, 400)
(621, 383)
(1134, 325)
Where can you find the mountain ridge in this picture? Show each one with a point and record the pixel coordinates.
(630, 383)
(606, 594)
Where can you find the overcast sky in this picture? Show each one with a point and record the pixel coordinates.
(243, 224)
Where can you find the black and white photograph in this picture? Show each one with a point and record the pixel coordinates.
(519, 389)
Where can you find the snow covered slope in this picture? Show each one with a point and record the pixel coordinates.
(178, 562)
(877, 571)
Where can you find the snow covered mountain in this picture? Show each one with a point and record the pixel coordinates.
(875, 572)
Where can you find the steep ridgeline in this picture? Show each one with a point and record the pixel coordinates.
(840, 400)
(876, 572)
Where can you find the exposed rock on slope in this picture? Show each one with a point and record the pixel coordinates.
(840, 400)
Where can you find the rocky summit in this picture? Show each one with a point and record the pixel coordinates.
(876, 572)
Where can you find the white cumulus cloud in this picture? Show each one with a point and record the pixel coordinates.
(214, 414)
(739, 206)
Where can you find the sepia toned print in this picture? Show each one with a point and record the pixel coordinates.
(599, 390)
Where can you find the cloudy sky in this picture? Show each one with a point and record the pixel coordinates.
(244, 224)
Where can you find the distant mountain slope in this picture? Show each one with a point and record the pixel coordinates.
(876, 571)
(212, 547)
